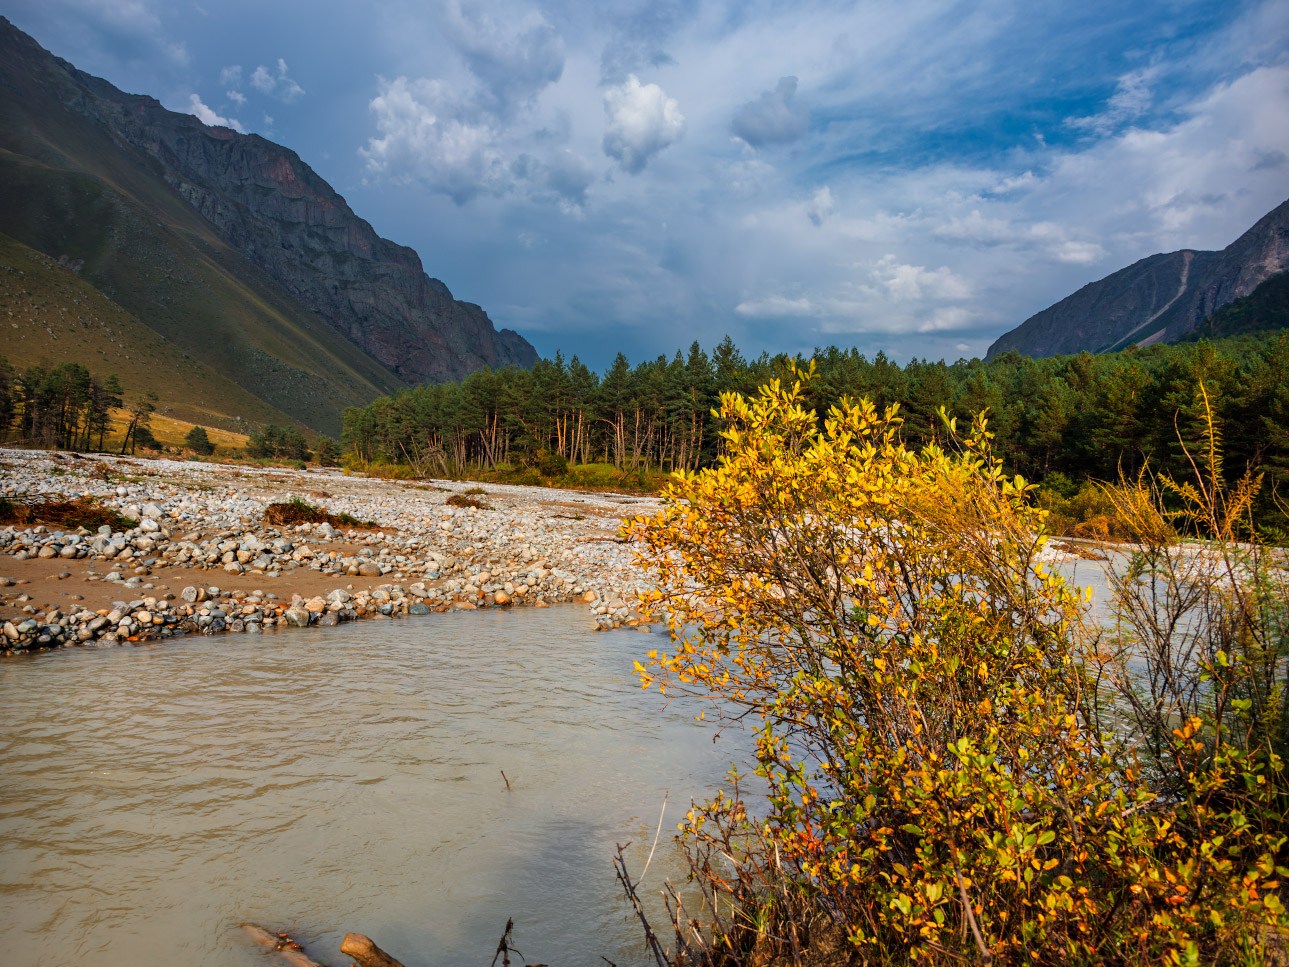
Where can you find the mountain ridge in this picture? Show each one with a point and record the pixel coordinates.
(1160, 298)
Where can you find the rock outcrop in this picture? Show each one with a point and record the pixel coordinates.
(1159, 299)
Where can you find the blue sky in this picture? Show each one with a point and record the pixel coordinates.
(912, 176)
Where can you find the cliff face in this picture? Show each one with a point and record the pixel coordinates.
(1159, 299)
(274, 210)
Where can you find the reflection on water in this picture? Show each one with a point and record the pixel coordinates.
(338, 779)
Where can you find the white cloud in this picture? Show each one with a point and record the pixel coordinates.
(913, 283)
(208, 117)
(231, 75)
(262, 80)
(513, 57)
(821, 206)
(237, 97)
(774, 117)
(641, 121)
(1130, 100)
(424, 136)
(947, 319)
(1044, 239)
(277, 83)
(777, 306)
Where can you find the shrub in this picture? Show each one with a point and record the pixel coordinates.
(939, 785)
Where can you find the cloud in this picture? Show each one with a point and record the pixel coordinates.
(913, 283)
(208, 117)
(641, 121)
(774, 117)
(423, 131)
(948, 319)
(237, 97)
(262, 80)
(513, 59)
(1131, 99)
(279, 84)
(1043, 238)
(231, 75)
(821, 206)
(777, 307)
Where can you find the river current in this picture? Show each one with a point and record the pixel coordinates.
(340, 779)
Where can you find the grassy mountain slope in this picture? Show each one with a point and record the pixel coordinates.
(68, 188)
(49, 315)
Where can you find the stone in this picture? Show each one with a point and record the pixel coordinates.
(296, 617)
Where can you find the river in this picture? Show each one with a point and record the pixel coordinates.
(340, 779)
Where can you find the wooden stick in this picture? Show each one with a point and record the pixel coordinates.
(365, 952)
(284, 946)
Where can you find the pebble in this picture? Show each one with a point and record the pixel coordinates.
(529, 550)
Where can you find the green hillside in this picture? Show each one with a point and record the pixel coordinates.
(49, 315)
(68, 189)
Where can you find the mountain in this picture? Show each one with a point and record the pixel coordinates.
(1159, 299)
(227, 245)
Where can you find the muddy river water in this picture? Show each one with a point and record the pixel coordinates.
(349, 778)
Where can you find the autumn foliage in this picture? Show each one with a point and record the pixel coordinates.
(936, 778)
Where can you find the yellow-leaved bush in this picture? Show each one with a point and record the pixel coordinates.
(930, 783)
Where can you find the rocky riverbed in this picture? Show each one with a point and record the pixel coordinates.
(202, 560)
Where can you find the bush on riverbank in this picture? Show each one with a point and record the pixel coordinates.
(942, 779)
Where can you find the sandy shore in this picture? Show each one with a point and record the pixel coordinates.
(202, 559)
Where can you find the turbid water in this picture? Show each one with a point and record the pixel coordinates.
(349, 778)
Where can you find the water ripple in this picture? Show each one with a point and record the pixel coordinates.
(337, 779)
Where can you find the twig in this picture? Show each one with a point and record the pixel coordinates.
(662, 812)
(620, 867)
(985, 955)
(507, 781)
(504, 946)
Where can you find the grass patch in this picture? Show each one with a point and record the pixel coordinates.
(82, 512)
(297, 510)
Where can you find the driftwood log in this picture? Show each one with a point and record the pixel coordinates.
(365, 953)
(284, 946)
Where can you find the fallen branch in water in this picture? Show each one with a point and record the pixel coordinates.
(363, 950)
(620, 867)
(283, 945)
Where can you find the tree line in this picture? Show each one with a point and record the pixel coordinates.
(66, 407)
(1079, 416)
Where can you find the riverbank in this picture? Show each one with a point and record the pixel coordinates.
(202, 559)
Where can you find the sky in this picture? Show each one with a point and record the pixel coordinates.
(908, 176)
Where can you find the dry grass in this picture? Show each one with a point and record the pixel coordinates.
(300, 511)
(82, 512)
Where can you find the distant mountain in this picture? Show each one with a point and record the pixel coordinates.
(228, 245)
(1159, 299)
